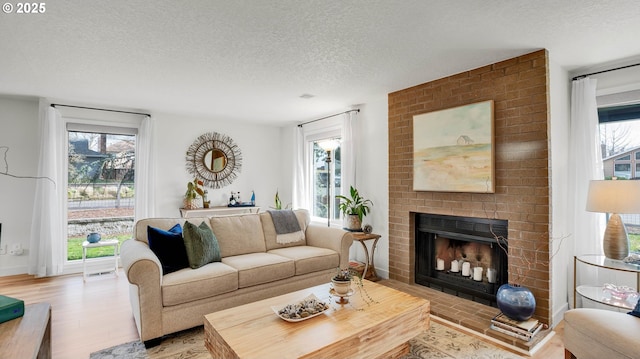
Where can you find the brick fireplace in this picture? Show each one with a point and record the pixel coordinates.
(519, 88)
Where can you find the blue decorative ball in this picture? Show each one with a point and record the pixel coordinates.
(93, 237)
(516, 302)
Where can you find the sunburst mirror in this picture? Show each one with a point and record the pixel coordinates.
(214, 159)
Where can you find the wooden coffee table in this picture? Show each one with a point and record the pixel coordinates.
(28, 336)
(352, 330)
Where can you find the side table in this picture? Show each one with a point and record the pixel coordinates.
(369, 268)
(28, 336)
(104, 243)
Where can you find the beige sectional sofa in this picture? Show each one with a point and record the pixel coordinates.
(254, 266)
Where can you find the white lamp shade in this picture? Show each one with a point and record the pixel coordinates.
(328, 145)
(614, 196)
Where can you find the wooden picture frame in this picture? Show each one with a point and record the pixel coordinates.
(453, 149)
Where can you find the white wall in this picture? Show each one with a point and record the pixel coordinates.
(19, 132)
(562, 260)
(262, 162)
(372, 177)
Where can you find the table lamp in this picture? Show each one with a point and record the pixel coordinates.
(615, 197)
(328, 146)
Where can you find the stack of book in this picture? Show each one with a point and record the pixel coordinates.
(524, 330)
(10, 308)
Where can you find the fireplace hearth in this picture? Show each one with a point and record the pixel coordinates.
(461, 256)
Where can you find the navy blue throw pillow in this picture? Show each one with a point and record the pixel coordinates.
(636, 311)
(169, 247)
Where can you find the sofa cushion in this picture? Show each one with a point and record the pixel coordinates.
(188, 284)
(258, 268)
(140, 228)
(238, 234)
(201, 245)
(269, 229)
(309, 259)
(168, 246)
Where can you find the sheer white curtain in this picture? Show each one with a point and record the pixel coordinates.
(586, 164)
(145, 184)
(46, 247)
(585, 161)
(300, 198)
(349, 147)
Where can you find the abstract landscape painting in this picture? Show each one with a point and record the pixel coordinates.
(453, 149)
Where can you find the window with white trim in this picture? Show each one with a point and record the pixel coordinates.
(620, 144)
(324, 176)
(100, 185)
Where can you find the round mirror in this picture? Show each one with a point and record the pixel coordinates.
(214, 159)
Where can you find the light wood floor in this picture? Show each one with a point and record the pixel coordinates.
(90, 316)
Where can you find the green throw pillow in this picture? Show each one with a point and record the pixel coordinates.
(201, 245)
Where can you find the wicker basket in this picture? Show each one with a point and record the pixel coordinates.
(191, 203)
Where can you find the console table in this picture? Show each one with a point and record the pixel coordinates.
(28, 336)
(213, 211)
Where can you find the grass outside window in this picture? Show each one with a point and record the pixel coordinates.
(634, 243)
(74, 247)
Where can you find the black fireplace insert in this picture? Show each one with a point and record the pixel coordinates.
(461, 255)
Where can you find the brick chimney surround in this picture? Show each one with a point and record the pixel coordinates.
(519, 88)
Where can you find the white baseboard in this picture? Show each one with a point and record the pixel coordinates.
(558, 315)
(8, 271)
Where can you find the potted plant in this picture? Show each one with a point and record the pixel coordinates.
(193, 191)
(353, 209)
(342, 282)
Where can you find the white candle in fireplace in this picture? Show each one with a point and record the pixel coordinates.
(466, 269)
(439, 264)
(454, 266)
(491, 275)
(477, 274)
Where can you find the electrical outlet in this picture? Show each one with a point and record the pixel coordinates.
(3, 249)
(16, 249)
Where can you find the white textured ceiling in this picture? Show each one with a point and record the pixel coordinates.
(252, 60)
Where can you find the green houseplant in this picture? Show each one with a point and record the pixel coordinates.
(193, 191)
(341, 285)
(354, 208)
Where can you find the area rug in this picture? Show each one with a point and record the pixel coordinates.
(439, 341)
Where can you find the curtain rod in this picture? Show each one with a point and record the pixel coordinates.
(326, 117)
(603, 71)
(100, 109)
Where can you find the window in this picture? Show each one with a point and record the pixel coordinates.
(622, 170)
(323, 179)
(100, 187)
(317, 181)
(322, 171)
(620, 141)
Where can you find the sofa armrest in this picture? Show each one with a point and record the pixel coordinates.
(332, 238)
(591, 333)
(144, 271)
